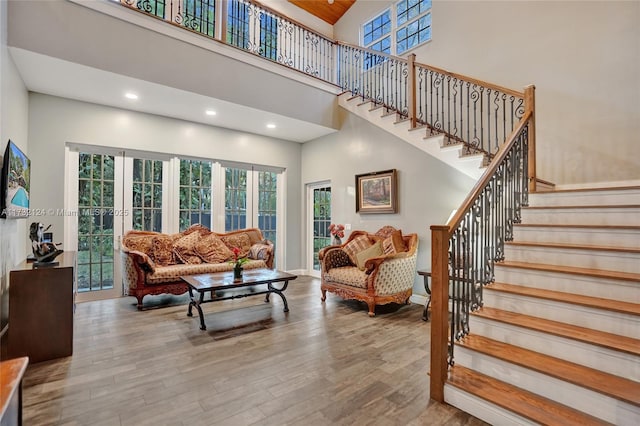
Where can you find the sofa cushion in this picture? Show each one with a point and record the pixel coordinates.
(362, 256)
(241, 241)
(172, 273)
(185, 248)
(211, 249)
(394, 243)
(162, 250)
(356, 245)
(348, 275)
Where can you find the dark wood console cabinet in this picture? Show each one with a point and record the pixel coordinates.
(41, 305)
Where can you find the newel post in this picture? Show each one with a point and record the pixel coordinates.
(411, 89)
(530, 105)
(439, 309)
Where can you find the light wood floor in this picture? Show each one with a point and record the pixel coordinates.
(320, 364)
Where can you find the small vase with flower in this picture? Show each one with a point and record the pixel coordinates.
(237, 264)
(337, 231)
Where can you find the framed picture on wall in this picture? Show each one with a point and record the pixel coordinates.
(377, 192)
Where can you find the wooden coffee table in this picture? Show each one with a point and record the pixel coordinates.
(224, 281)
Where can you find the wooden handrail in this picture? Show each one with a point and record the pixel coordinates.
(488, 173)
(473, 80)
(371, 51)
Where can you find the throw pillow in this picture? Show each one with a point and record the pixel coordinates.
(241, 240)
(394, 243)
(259, 251)
(139, 242)
(185, 248)
(356, 245)
(162, 249)
(211, 249)
(366, 254)
(196, 227)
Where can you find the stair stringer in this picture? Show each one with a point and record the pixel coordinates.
(470, 165)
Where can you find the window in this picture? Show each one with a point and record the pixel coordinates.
(238, 24)
(235, 206)
(269, 36)
(199, 15)
(267, 204)
(405, 25)
(377, 33)
(147, 195)
(195, 193)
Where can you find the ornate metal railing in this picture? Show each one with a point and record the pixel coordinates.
(465, 250)
(378, 77)
(479, 114)
(251, 27)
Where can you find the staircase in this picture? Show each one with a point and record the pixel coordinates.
(421, 137)
(558, 339)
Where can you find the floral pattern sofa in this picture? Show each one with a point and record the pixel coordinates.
(375, 268)
(154, 262)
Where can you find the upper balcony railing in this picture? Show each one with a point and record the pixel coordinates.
(478, 114)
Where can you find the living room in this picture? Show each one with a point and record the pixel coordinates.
(581, 112)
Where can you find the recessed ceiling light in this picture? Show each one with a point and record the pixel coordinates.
(271, 126)
(210, 112)
(130, 95)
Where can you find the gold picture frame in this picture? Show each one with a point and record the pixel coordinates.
(377, 192)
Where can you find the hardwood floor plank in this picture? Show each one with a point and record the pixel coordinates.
(320, 364)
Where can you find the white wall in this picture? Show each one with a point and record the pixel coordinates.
(55, 121)
(13, 125)
(428, 189)
(583, 57)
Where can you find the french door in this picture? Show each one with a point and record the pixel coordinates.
(112, 193)
(94, 185)
(319, 219)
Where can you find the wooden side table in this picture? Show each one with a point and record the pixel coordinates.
(11, 373)
(426, 276)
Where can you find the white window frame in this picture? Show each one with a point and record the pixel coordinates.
(393, 9)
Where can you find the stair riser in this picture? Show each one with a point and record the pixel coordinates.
(611, 216)
(595, 237)
(595, 319)
(625, 291)
(593, 259)
(482, 409)
(586, 198)
(607, 360)
(585, 400)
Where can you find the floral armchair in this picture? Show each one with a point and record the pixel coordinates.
(375, 268)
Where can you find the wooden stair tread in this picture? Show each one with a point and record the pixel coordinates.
(604, 188)
(572, 246)
(576, 299)
(572, 226)
(607, 384)
(580, 207)
(597, 273)
(524, 403)
(568, 331)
